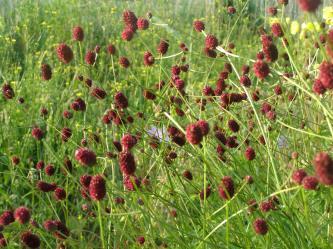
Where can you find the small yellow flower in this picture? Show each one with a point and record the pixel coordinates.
(294, 27)
(274, 20)
(328, 15)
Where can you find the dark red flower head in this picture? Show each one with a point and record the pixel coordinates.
(141, 240)
(131, 183)
(120, 100)
(163, 47)
(85, 180)
(310, 182)
(66, 133)
(148, 59)
(50, 225)
(198, 25)
(124, 62)
(30, 240)
(46, 72)
(85, 157)
(272, 11)
(271, 52)
(194, 134)
(260, 226)
(309, 5)
(323, 165)
(90, 57)
(49, 170)
(37, 133)
(129, 18)
(318, 87)
(233, 125)
(211, 42)
(277, 30)
(62, 231)
(128, 141)
(22, 215)
(231, 10)
(98, 93)
(204, 127)
(245, 80)
(78, 105)
(188, 175)
(127, 34)
(77, 33)
(298, 176)
(6, 218)
(326, 74)
(59, 194)
(127, 163)
(46, 187)
(250, 154)
(261, 69)
(111, 49)
(7, 91)
(97, 188)
(142, 23)
(65, 53)
(226, 188)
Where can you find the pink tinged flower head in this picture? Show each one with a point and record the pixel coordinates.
(323, 165)
(37, 133)
(310, 182)
(30, 240)
(318, 87)
(22, 215)
(6, 218)
(261, 69)
(142, 23)
(204, 127)
(194, 134)
(127, 163)
(250, 154)
(277, 30)
(298, 176)
(260, 226)
(131, 183)
(65, 53)
(128, 141)
(127, 34)
(226, 188)
(326, 74)
(211, 42)
(77, 33)
(85, 157)
(198, 25)
(97, 188)
(46, 72)
(309, 5)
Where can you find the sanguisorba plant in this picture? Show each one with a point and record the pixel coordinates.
(179, 139)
